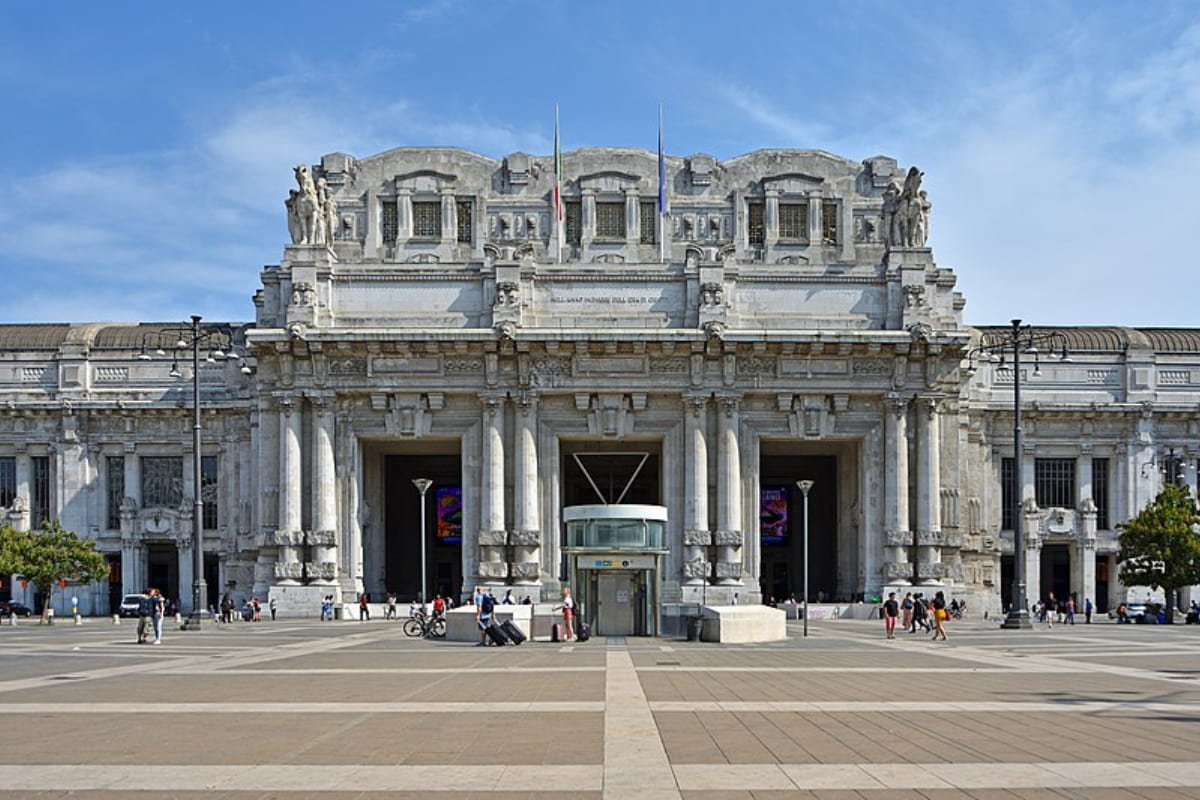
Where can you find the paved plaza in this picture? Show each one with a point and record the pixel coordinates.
(348, 710)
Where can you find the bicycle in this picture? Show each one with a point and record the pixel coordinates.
(419, 625)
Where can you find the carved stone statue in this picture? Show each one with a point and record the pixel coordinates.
(328, 211)
(307, 208)
(889, 222)
(911, 211)
(295, 230)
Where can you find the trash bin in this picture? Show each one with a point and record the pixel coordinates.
(694, 625)
(337, 612)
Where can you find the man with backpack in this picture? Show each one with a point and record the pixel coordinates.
(145, 616)
(484, 607)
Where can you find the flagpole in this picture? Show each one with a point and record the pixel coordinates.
(559, 206)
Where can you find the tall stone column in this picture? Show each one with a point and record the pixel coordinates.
(929, 494)
(187, 574)
(526, 536)
(1033, 551)
(1085, 555)
(696, 534)
(323, 569)
(492, 536)
(897, 568)
(129, 564)
(728, 537)
(288, 536)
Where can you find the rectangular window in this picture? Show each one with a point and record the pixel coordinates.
(463, 210)
(755, 228)
(647, 219)
(162, 481)
(1008, 493)
(1054, 482)
(8, 481)
(574, 220)
(829, 222)
(427, 220)
(39, 491)
(208, 491)
(1100, 493)
(114, 476)
(389, 221)
(793, 221)
(610, 220)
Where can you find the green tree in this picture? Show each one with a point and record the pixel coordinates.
(1160, 546)
(48, 556)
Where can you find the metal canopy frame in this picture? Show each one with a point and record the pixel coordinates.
(645, 454)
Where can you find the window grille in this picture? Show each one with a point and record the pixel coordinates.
(610, 220)
(208, 491)
(39, 491)
(162, 481)
(389, 221)
(793, 221)
(1054, 482)
(829, 222)
(574, 220)
(754, 224)
(1008, 493)
(1100, 492)
(8, 481)
(647, 219)
(427, 220)
(114, 468)
(463, 210)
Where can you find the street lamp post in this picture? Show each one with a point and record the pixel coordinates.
(1017, 340)
(422, 485)
(222, 347)
(805, 486)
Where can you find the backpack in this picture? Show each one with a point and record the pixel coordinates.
(487, 604)
(146, 607)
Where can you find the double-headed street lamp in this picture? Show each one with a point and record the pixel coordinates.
(805, 487)
(219, 344)
(996, 347)
(422, 485)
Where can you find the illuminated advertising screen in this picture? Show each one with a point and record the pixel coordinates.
(449, 514)
(773, 515)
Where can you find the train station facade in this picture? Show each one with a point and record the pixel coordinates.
(612, 398)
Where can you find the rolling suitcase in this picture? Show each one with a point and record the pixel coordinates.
(512, 631)
(556, 634)
(585, 631)
(495, 634)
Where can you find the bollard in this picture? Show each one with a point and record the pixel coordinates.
(12, 619)
(78, 620)
(50, 616)
(116, 619)
(178, 618)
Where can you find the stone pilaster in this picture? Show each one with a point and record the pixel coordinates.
(323, 568)
(493, 539)
(1085, 554)
(728, 536)
(289, 536)
(929, 494)
(897, 567)
(1033, 551)
(696, 534)
(187, 574)
(526, 536)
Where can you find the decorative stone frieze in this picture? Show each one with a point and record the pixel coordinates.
(321, 570)
(287, 538)
(696, 569)
(322, 538)
(493, 538)
(525, 538)
(729, 570)
(697, 538)
(727, 538)
(525, 571)
(930, 539)
(897, 570)
(894, 538)
(931, 570)
(493, 570)
(289, 570)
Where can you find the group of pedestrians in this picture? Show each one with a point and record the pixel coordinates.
(151, 610)
(1053, 610)
(914, 611)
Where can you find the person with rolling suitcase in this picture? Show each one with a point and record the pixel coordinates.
(484, 607)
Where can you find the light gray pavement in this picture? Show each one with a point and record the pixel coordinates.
(348, 710)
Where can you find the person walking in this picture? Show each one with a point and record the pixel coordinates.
(1087, 610)
(939, 616)
(257, 605)
(364, 610)
(1051, 608)
(273, 604)
(920, 613)
(568, 612)
(145, 616)
(1071, 610)
(891, 610)
(160, 609)
(907, 607)
(484, 606)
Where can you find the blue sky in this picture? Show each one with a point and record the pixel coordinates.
(149, 145)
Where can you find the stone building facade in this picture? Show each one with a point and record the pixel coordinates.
(621, 414)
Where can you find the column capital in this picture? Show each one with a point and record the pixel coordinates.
(730, 404)
(493, 402)
(896, 403)
(526, 402)
(696, 403)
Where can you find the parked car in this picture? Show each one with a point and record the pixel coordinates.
(7, 609)
(130, 604)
